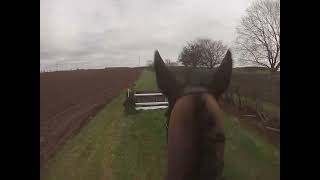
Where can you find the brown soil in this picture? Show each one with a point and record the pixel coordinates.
(69, 99)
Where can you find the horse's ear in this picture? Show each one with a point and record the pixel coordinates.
(165, 79)
(222, 77)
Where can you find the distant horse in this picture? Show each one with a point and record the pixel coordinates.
(196, 140)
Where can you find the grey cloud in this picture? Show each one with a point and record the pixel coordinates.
(100, 33)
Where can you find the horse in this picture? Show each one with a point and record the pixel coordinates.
(195, 134)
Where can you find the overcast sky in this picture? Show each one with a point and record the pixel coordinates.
(105, 33)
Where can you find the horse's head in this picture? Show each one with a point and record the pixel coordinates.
(195, 133)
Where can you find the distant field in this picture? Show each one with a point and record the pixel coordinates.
(116, 146)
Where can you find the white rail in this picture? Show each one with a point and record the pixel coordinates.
(151, 107)
(149, 94)
(151, 103)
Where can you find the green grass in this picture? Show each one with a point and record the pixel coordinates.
(147, 82)
(247, 156)
(116, 146)
(141, 151)
(142, 147)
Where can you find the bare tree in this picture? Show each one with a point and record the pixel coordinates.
(203, 52)
(190, 55)
(258, 35)
(212, 52)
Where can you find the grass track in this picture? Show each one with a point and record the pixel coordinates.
(147, 81)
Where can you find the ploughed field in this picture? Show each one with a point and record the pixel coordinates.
(69, 99)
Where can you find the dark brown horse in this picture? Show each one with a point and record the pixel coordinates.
(196, 138)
